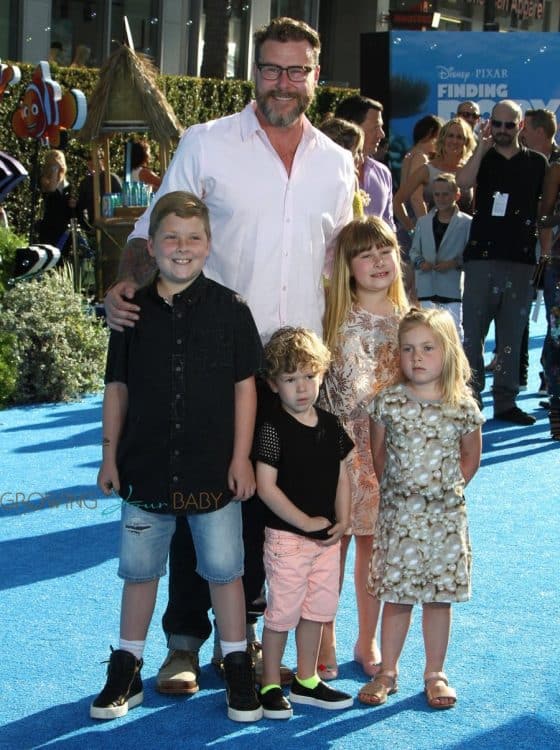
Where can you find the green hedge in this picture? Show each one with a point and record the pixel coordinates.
(193, 100)
(52, 347)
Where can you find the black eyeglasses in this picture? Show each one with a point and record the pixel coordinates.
(470, 115)
(296, 73)
(507, 124)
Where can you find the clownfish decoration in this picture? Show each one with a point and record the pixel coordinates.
(44, 111)
(9, 76)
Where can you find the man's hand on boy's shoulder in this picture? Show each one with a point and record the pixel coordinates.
(118, 311)
(137, 267)
(241, 479)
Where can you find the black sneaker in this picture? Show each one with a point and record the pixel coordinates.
(275, 704)
(516, 416)
(123, 689)
(242, 701)
(322, 696)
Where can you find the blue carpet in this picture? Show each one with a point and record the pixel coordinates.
(59, 610)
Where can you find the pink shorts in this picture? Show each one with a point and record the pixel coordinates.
(302, 579)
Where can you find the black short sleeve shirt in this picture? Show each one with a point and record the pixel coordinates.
(307, 459)
(180, 364)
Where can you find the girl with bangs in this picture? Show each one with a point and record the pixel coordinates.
(365, 303)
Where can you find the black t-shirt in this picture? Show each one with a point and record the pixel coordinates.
(56, 216)
(307, 459)
(180, 364)
(511, 237)
(439, 228)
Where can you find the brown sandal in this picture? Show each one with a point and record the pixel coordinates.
(436, 693)
(375, 692)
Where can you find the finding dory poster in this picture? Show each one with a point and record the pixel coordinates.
(432, 72)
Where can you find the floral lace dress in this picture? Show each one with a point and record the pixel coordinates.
(365, 361)
(421, 549)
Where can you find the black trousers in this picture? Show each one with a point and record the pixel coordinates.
(189, 595)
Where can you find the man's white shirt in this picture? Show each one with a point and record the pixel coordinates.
(270, 230)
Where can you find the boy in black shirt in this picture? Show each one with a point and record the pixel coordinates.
(302, 479)
(178, 421)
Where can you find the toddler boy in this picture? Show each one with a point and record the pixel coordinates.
(302, 479)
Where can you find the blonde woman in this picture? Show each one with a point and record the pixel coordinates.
(454, 146)
(58, 204)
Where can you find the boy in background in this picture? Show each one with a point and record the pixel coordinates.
(437, 250)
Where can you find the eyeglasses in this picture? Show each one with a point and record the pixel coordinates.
(296, 73)
(469, 115)
(507, 124)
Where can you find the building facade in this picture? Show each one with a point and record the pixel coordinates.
(173, 32)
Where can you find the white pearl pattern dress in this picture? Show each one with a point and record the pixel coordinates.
(421, 551)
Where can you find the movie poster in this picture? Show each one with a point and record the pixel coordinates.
(432, 72)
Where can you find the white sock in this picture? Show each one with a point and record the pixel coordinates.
(133, 647)
(228, 647)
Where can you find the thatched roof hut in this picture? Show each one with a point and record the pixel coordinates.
(127, 98)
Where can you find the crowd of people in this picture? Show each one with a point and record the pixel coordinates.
(253, 433)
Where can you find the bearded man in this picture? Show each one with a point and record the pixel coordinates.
(499, 259)
(278, 191)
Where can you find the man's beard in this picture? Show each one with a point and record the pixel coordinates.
(503, 139)
(284, 120)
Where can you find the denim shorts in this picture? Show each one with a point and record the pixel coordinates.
(217, 537)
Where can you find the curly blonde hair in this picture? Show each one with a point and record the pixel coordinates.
(290, 349)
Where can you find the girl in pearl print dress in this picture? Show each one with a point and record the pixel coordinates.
(426, 444)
